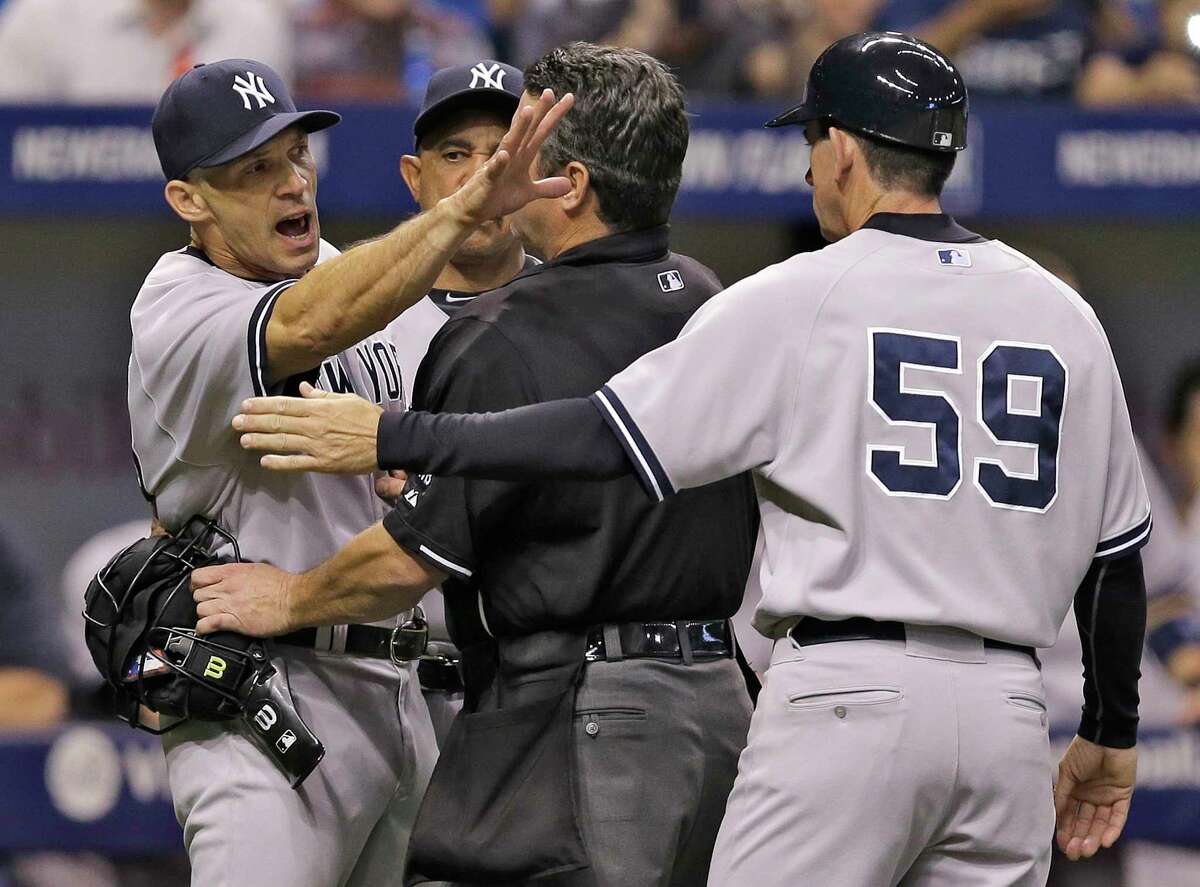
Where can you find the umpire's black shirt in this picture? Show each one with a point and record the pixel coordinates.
(528, 557)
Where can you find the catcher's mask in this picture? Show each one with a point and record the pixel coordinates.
(140, 627)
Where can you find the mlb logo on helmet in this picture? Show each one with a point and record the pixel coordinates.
(943, 139)
(960, 258)
(670, 281)
(286, 741)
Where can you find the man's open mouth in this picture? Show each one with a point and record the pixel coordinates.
(295, 226)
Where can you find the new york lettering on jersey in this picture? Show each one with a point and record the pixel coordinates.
(199, 350)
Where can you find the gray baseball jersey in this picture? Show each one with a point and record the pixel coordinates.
(937, 429)
(199, 340)
(199, 337)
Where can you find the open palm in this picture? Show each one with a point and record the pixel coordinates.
(504, 184)
(1095, 785)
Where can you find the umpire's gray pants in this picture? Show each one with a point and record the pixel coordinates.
(657, 746)
(350, 822)
(876, 763)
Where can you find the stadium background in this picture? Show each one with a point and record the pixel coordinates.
(1103, 180)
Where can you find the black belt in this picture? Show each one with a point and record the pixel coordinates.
(403, 643)
(810, 631)
(684, 641)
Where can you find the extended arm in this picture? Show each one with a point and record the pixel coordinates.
(342, 301)
(344, 434)
(566, 439)
(371, 578)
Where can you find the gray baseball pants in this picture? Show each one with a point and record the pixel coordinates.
(923, 763)
(349, 824)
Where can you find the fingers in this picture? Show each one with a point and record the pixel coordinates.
(217, 622)
(276, 443)
(549, 119)
(207, 576)
(285, 406)
(1065, 808)
(1116, 824)
(522, 123)
(271, 423)
(556, 186)
(537, 117)
(294, 463)
(313, 392)
(389, 487)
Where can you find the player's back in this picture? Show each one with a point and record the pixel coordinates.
(959, 450)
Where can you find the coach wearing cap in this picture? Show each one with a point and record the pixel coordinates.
(254, 302)
(464, 115)
(605, 711)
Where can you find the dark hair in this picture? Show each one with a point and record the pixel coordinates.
(902, 167)
(628, 127)
(1186, 385)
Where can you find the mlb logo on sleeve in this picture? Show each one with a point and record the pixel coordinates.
(959, 258)
(670, 281)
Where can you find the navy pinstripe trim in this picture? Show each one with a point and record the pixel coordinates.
(256, 337)
(1127, 542)
(141, 478)
(645, 464)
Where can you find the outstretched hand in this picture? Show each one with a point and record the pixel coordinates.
(1091, 798)
(504, 184)
(319, 431)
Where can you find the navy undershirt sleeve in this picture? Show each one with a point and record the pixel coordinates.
(1110, 607)
(561, 439)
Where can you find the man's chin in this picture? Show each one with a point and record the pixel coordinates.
(485, 244)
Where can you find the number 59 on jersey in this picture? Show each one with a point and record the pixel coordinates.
(891, 352)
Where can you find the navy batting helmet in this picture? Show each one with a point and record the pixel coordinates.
(890, 86)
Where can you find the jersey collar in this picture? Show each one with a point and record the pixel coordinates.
(645, 245)
(934, 227)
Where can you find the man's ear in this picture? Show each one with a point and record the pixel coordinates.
(187, 201)
(581, 186)
(846, 152)
(410, 171)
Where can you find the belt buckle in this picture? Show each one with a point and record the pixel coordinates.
(409, 639)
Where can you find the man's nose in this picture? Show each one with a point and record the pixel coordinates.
(297, 180)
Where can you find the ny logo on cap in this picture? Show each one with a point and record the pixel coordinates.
(483, 76)
(252, 86)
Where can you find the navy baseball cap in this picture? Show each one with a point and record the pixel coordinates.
(219, 111)
(487, 84)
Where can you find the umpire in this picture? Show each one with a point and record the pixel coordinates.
(605, 711)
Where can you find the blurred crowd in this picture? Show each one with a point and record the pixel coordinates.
(1102, 53)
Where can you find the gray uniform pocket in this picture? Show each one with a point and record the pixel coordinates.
(844, 696)
(613, 744)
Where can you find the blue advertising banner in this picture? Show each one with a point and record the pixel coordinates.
(1025, 160)
(103, 787)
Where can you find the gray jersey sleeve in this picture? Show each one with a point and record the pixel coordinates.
(1125, 524)
(719, 399)
(199, 342)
